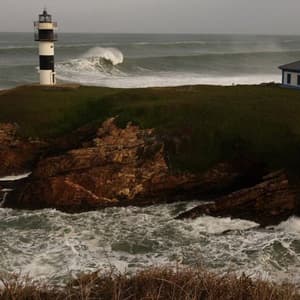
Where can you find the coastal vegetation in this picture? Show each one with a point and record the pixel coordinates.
(155, 283)
(84, 154)
(207, 124)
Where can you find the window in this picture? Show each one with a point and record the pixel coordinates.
(298, 80)
(289, 78)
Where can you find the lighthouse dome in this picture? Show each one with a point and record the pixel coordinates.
(45, 17)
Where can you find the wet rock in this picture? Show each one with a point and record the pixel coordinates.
(16, 154)
(269, 202)
(111, 166)
(117, 167)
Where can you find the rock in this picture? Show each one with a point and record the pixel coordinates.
(111, 166)
(16, 154)
(117, 167)
(268, 203)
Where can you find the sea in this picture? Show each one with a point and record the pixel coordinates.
(54, 246)
(145, 60)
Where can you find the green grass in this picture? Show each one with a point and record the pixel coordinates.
(213, 123)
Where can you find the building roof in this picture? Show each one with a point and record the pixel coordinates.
(295, 66)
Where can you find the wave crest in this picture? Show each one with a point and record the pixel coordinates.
(94, 60)
(112, 55)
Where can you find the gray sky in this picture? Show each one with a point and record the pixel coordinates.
(157, 16)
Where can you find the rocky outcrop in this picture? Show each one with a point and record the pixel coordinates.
(16, 154)
(267, 203)
(111, 166)
(118, 167)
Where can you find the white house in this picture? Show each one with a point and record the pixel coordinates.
(291, 74)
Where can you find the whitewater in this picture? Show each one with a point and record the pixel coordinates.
(136, 60)
(52, 245)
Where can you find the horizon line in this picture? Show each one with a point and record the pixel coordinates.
(162, 33)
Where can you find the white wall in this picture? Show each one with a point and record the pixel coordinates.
(46, 48)
(294, 78)
(47, 78)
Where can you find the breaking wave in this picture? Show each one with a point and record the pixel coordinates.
(41, 242)
(102, 66)
(95, 60)
(113, 55)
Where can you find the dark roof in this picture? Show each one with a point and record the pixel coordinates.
(295, 66)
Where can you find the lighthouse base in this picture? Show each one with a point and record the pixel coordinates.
(47, 77)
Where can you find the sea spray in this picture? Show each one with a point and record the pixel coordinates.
(292, 225)
(4, 193)
(97, 62)
(6, 182)
(124, 60)
(52, 244)
(113, 55)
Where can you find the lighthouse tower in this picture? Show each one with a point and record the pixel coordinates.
(46, 36)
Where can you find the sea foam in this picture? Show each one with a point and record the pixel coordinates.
(133, 238)
(15, 177)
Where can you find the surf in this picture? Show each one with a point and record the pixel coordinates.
(97, 59)
(133, 238)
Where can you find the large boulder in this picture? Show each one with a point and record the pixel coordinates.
(271, 201)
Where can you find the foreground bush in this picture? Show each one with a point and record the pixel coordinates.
(158, 283)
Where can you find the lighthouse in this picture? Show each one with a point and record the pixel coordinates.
(46, 36)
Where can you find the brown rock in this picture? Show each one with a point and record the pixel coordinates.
(16, 154)
(120, 167)
(267, 203)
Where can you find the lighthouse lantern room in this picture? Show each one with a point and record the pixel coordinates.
(45, 34)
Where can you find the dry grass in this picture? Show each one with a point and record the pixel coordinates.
(152, 284)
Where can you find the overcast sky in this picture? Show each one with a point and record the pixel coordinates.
(157, 16)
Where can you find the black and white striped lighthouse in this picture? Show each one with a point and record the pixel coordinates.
(46, 36)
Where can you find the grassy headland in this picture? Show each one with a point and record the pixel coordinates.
(211, 123)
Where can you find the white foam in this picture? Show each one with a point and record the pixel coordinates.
(292, 225)
(6, 190)
(161, 79)
(114, 55)
(134, 238)
(99, 66)
(15, 177)
(213, 225)
(96, 63)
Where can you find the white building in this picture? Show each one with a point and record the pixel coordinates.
(46, 36)
(291, 74)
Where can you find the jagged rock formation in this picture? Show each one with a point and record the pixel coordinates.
(267, 203)
(118, 167)
(114, 167)
(16, 154)
(111, 166)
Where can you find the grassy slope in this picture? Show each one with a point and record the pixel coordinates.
(220, 121)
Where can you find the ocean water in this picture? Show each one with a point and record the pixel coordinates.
(49, 244)
(135, 60)
(53, 246)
